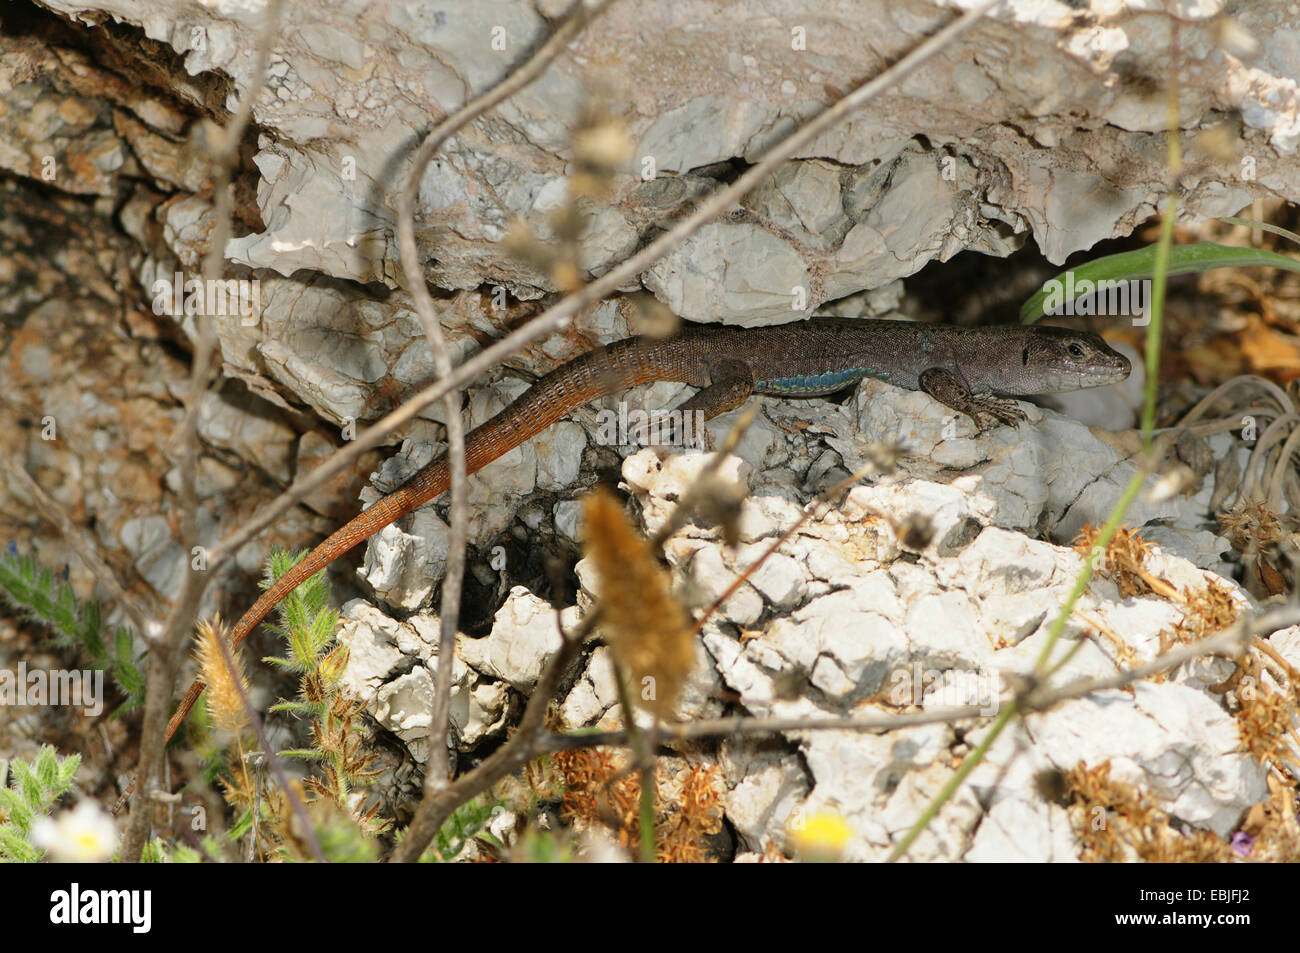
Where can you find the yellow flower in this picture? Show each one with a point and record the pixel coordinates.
(820, 836)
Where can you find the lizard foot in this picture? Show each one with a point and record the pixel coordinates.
(987, 410)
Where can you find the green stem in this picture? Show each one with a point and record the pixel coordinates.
(973, 760)
(1154, 336)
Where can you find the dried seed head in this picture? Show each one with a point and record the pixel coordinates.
(646, 627)
(224, 678)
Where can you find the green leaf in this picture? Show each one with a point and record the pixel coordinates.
(14, 847)
(35, 787)
(44, 768)
(298, 708)
(289, 665)
(241, 826)
(1262, 226)
(309, 754)
(123, 646)
(90, 628)
(66, 772)
(183, 854)
(1133, 265)
(466, 823)
(14, 806)
(37, 594)
(29, 785)
(158, 851)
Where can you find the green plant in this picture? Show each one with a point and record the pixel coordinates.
(37, 594)
(308, 627)
(343, 838)
(545, 847)
(35, 787)
(158, 851)
(468, 822)
(1142, 263)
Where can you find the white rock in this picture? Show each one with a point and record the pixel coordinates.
(1024, 830)
(764, 789)
(712, 577)
(523, 638)
(373, 656)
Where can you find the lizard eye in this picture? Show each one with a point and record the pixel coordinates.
(1075, 350)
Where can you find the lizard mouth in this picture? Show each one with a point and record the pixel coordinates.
(1113, 370)
(1121, 368)
(1105, 369)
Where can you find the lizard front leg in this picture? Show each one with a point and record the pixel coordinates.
(945, 387)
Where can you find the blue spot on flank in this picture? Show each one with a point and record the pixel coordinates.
(816, 384)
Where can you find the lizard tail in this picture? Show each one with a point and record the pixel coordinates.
(428, 483)
(594, 374)
(553, 397)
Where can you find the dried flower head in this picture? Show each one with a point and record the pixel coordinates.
(645, 625)
(1115, 821)
(601, 148)
(600, 790)
(222, 668)
(1124, 561)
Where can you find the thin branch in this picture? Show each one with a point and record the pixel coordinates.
(557, 315)
(1230, 642)
(744, 726)
(164, 658)
(438, 769)
(277, 766)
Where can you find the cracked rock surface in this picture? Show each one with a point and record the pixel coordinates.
(1042, 124)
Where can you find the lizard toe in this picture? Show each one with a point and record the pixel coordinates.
(997, 410)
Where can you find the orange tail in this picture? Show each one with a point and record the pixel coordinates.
(594, 374)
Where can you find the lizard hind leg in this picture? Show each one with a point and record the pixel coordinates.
(731, 383)
(945, 387)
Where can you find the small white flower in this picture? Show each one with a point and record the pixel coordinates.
(85, 834)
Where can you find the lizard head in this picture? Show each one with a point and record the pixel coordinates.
(1064, 359)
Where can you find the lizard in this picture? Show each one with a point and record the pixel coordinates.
(971, 370)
